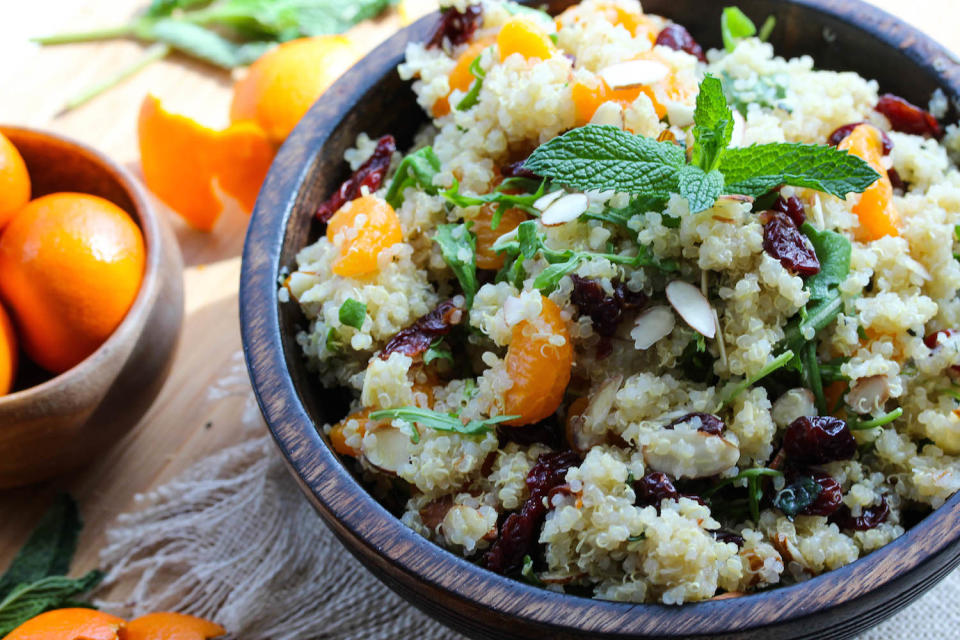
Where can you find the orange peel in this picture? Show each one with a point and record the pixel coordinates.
(170, 626)
(182, 159)
(70, 624)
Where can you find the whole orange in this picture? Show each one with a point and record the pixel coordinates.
(14, 181)
(71, 265)
(8, 353)
(281, 85)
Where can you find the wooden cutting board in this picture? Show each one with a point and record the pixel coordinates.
(200, 408)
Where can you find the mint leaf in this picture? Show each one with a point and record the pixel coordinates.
(352, 313)
(757, 169)
(49, 549)
(459, 248)
(30, 599)
(833, 250)
(701, 189)
(734, 27)
(602, 157)
(416, 170)
(713, 124)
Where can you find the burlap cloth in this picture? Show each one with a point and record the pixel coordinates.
(233, 539)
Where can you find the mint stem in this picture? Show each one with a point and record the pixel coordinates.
(108, 33)
(152, 54)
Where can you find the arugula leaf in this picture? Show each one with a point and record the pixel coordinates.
(459, 248)
(811, 375)
(729, 394)
(833, 251)
(417, 169)
(548, 279)
(434, 352)
(797, 496)
(500, 197)
(734, 27)
(700, 189)
(473, 95)
(49, 549)
(757, 169)
(352, 313)
(818, 317)
(886, 418)
(440, 421)
(713, 124)
(603, 157)
(767, 29)
(754, 490)
(30, 599)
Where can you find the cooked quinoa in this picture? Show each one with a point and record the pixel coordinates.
(656, 458)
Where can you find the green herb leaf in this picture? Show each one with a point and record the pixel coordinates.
(332, 341)
(352, 313)
(49, 549)
(527, 573)
(283, 20)
(818, 317)
(205, 44)
(886, 418)
(811, 375)
(833, 251)
(440, 421)
(417, 169)
(603, 157)
(28, 600)
(713, 125)
(797, 496)
(459, 248)
(472, 96)
(734, 27)
(729, 394)
(700, 189)
(767, 29)
(435, 352)
(757, 169)
(547, 280)
(500, 197)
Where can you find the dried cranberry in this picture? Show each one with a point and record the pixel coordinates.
(417, 338)
(517, 170)
(370, 174)
(819, 439)
(783, 241)
(676, 37)
(868, 519)
(895, 180)
(793, 209)
(830, 498)
(544, 432)
(906, 117)
(654, 488)
(842, 132)
(456, 27)
(727, 536)
(605, 311)
(520, 530)
(709, 423)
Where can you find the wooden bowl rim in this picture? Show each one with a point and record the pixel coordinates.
(396, 551)
(52, 390)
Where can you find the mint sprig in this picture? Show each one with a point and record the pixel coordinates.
(713, 125)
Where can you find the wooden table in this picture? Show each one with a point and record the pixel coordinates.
(187, 422)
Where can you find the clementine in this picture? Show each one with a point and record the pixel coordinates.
(170, 626)
(14, 181)
(71, 265)
(8, 353)
(69, 624)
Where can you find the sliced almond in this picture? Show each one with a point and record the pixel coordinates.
(868, 395)
(609, 113)
(690, 454)
(634, 73)
(387, 449)
(679, 114)
(601, 403)
(653, 325)
(545, 201)
(565, 209)
(692, 306)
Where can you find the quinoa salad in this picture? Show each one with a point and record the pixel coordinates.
(638, 321)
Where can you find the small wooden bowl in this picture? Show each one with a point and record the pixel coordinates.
(840, 34)
(65, 421)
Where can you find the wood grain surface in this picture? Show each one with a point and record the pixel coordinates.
(188, 421)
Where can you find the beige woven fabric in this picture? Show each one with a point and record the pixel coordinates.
(234, 540)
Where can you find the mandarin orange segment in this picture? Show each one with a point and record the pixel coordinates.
(539, 368)
(8, 353)
(71, 265)
(171, 626)
(339, 441)
(14, 181)
(69, 624)
(587, 99)
(510, 220)
(519, 35)
(876, 211)
(361, 230)
(461, 78)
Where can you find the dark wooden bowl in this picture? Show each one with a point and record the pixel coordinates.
(51, 425)
(840, 34)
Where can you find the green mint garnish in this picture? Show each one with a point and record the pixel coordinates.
(797, 496)
(459, 248)
(352, 313)
(699, 188)
(416, 170)
(736, 26)
(713, 124)
(473, 95)
(440, 421)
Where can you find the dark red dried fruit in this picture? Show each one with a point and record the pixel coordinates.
(433, 513)
(783, 241)
(868, 519)
(654, 488)
(709, 423)
(830, 498)
(370, 174)
(895, 180)
(726, 536)
(456, 27)
(676, 37)
(517, 170)
(792, 208)
(520, 531)
(605, 311)
(842, 132)
(818, 440)
(417, 338)
(906, 117)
